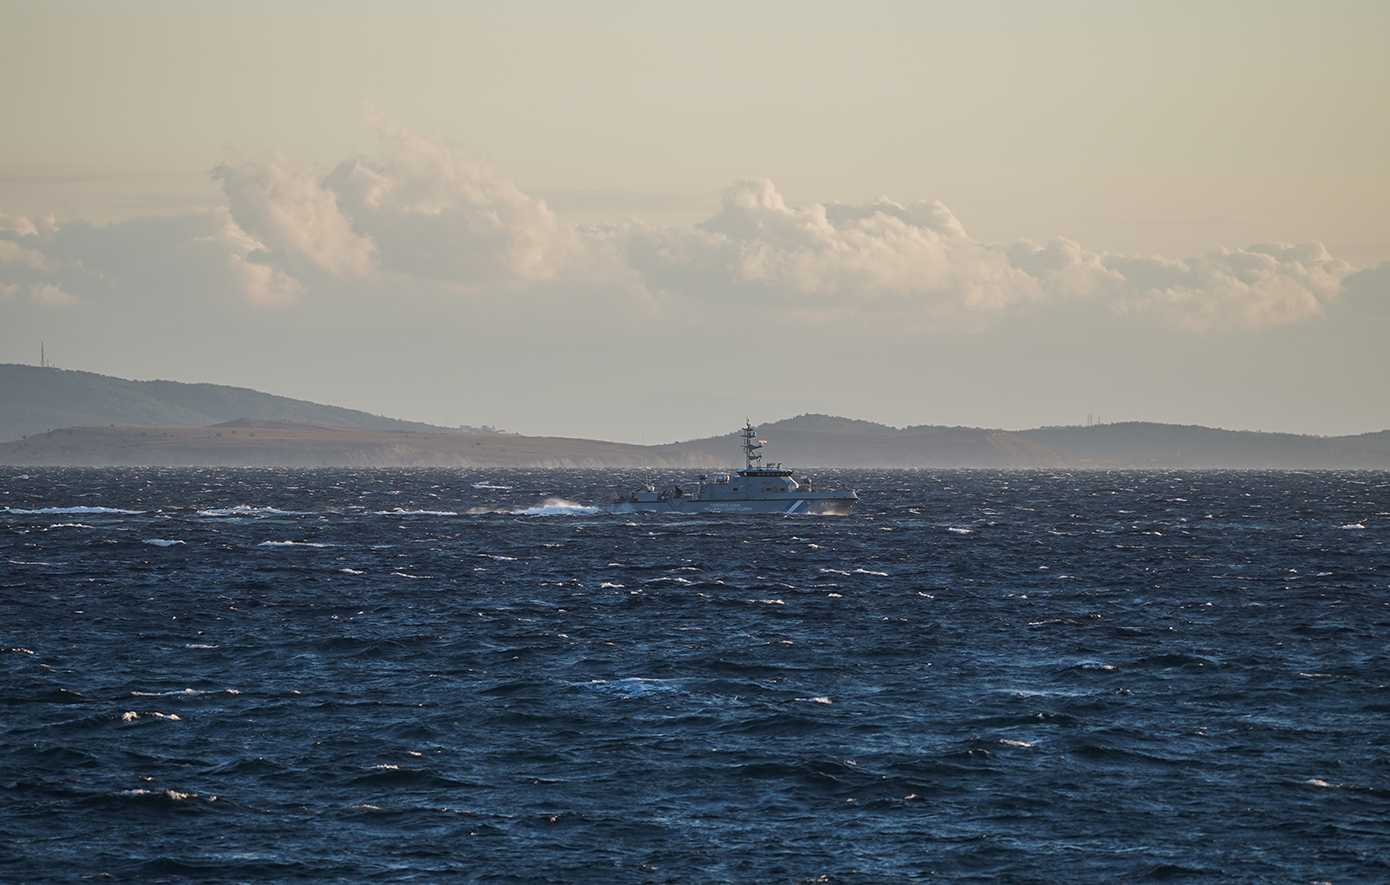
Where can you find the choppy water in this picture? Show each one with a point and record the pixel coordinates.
(435, 676)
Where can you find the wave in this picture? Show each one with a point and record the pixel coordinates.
(631, 686)
(183, 692)
(132, 715)
(83, 511)
(245, 510)
(558, 507)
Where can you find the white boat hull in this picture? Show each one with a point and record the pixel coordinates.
(805, 504)
(757, 488)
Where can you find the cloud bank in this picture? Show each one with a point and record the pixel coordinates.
(421, 217)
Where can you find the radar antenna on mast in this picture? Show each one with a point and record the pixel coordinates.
(751, 445)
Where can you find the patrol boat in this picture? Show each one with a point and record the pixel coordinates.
(757, 488)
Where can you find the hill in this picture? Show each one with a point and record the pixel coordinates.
(1144, 444)
(827, 441)
(36, 400)
(61, 417)
(248, 443)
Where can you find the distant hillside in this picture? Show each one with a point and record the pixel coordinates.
(37, 400)
(826, 441)
(55, 416)
(246, 443)
(1144, 444)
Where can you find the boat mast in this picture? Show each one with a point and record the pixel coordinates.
(751, 445)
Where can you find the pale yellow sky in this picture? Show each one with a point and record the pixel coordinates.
(1150, 125)
(1162, 131)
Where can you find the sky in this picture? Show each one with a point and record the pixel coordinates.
(648, 221)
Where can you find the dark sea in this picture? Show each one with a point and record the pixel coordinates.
(215, 675)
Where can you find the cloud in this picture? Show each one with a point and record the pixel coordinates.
(835, 261)
(179, 258)
(917, 264)
(50, 295)
(1253, 288)
(13, 253)
(226, 254)
(440, 214)
(421, 209)
(421, 218)
(283, 203)
(22, 226)
(43, 294)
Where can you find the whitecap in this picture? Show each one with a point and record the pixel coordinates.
(131, 716)
(864, 571)
(558, 507)
(485, 485)
(245, 510)
(1354, 525)
(958, 530)
(86, 511)
(351, 571)
(172, 795)
(630, 687)
(187, 692)
(161, 542)
(400, 512)
(291, 544)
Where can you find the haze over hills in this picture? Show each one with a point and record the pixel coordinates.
(60, 417)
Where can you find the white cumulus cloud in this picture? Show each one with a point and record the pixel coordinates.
(917, 263)
(420, 209)
(282, 202)
(13, 253)
(836, 261)
(1252, 288)
(198, 255)
(50, 295)
(421, 215)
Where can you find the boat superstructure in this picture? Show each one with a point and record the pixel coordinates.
(757, 488)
